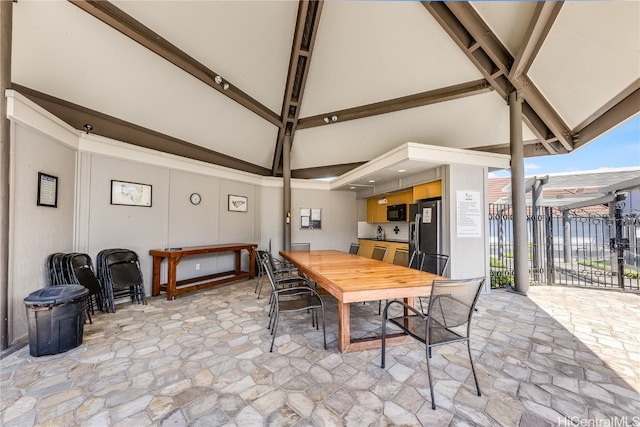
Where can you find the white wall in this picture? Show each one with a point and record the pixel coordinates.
(36, 231)
(86, 221)
(469, 256)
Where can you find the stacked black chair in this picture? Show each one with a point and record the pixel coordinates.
(120, 276)
(76, 268)
(81, 267)
(54, 267)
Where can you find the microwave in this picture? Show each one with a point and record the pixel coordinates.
(397, 212)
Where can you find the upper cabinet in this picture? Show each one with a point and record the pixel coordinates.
(428, 190)
(377, 212)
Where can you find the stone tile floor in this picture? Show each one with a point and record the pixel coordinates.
(561, 356)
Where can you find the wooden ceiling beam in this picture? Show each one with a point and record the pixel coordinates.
(135, 30)
(398, 104)
(307, 22)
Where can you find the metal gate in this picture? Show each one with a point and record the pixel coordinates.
(571, 247)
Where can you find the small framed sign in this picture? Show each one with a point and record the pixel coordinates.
(130, 193)
(47, 190)
(237, 203)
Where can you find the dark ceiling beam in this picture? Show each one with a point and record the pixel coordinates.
(111, 127)
(398, 104)
(621, 108)
(470, 19)
(130, 27)
(324, 171)
(304, 38)
(492, 59)
(544, 16)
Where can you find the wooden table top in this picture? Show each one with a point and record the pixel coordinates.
(197, 250)
(353, 278)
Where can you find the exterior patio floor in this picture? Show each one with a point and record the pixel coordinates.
(561, 356)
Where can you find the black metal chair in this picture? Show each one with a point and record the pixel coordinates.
(354, 248)
(286, 298)
(432, 263)
(260, 255)
(379, 252)
(400, 257)
(303, 247)
(448, 319)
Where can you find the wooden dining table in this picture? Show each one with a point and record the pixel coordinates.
(352, 278)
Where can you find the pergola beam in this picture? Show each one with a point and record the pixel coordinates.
(398, 104)
(493, 60)
(135, 30)
(544, 16)
(307, 22)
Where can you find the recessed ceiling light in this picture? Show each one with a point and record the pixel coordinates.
(372, 180)
(352, 188)
(402, 170)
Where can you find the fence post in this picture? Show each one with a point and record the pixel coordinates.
(618, 241)
(566, 236)
(549, 245)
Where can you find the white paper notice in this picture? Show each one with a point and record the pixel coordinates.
(469, 214)
(426, 215)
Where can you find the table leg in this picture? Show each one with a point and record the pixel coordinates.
(252, 263)
(171, 279)
(155, 284)
(238, 261)
(344, 326)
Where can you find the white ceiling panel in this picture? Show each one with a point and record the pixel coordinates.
(367, 52)
(118, 77)
(591, 54)
(464, 123)
(508, 20)
(246, 42)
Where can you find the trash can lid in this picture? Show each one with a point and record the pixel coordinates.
(56, 295)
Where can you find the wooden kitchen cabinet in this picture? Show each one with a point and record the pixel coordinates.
(428, 190)
(377, 212)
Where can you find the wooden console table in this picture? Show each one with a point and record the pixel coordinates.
(175, 287)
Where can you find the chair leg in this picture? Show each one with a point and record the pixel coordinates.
(384, 337)
(324, 330)
(273, 332)
(473, 369)
(433, 398)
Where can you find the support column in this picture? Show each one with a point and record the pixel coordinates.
(539, 239)
(6, 20)
(518, 195)
(286, 191)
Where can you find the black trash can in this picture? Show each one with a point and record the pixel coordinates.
(56, 318)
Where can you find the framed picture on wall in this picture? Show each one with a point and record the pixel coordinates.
(47, 190)
(238, 203)
(130, 193)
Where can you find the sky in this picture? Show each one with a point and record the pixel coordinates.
(620, 147)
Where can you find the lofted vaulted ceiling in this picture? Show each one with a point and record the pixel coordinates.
(225, 81)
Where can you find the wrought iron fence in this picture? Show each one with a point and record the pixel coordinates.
(572, 247)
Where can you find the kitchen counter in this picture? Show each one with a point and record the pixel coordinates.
(384, 240)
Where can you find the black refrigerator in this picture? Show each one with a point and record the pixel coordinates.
(425, 229)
